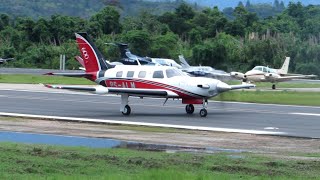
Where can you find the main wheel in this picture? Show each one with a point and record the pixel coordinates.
(189, 108)
(126, 110)
(273, 86)
(203, 112)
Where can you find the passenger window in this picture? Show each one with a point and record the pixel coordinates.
(158, 74)
(142, 74)
(119, 74)
(130, 73)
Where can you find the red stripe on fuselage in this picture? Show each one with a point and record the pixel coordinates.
(146, 84)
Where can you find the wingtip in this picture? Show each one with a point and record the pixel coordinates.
(47, 85)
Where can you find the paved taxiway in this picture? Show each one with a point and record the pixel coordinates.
(279, 119)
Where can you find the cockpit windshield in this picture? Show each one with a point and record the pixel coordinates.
(174, 72)
(258, 68)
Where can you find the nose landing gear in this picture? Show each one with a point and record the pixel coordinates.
(203, 111)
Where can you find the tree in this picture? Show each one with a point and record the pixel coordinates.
(107, 20)
(139, 41)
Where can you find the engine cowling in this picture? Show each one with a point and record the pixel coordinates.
(101, 90)
(272, 76)
(237, 75)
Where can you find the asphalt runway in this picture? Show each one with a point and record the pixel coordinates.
(299, 121)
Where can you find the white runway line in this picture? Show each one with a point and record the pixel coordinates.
(306, 114)
(247, 131)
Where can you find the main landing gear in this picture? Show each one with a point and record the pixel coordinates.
(273, 86)
(203, 111)
(125, 108)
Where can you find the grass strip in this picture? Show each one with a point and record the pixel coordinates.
(36, 79)
(22, 161)
(272, 97)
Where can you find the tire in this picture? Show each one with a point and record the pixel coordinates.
(127, 110)
(203, 113)
(273, 86)
(190, 108)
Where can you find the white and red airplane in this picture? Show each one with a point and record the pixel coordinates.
(143, 81)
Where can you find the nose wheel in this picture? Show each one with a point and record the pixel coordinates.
(203, 113)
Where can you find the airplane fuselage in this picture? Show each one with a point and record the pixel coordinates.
(175, 82)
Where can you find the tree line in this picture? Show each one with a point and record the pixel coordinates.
(205, 37)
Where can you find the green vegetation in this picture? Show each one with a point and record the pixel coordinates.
(204, 36)
(36, 79)
(272, 97)
(288, 85)
(20, 161)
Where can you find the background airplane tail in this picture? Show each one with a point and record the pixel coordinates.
(285, 66)
(183, 61)
(92, 58)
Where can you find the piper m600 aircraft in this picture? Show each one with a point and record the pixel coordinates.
(266, 74)
(143, 81)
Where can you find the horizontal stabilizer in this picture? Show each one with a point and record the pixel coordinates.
(69, 74)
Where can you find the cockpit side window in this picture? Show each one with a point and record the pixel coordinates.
(158, 74)
(119, 74)
(172, 72)
(265, 69)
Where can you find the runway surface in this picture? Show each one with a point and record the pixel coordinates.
(297, 121)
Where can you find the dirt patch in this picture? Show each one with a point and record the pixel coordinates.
(280, 147)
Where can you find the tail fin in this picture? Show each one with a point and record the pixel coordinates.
(92, 57)
(123, 49)
(285, 66)
(183, 61)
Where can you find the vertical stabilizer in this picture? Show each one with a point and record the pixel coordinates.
(285, 66)
(92, 57)
(183, 61)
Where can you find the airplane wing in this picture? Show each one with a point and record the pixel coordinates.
(242, 86)
(5, 60)
(110, 90)
(287, 78)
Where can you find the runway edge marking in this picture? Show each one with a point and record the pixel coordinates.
(306, 114)
(246, 131)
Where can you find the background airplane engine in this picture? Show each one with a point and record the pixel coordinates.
(237, 75)
(271, 76)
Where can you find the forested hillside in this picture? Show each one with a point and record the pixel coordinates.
(234, 3)
(81, 8)
(205, 37)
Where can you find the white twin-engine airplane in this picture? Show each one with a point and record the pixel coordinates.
(266, 74)
(143, 81)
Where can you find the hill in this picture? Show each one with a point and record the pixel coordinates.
(81, 8)
(234, 3)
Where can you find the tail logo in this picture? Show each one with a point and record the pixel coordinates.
(85, 53)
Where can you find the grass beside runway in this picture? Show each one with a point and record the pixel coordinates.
(288, 84)
(21, 161)
(36, 79)
(272, 97)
